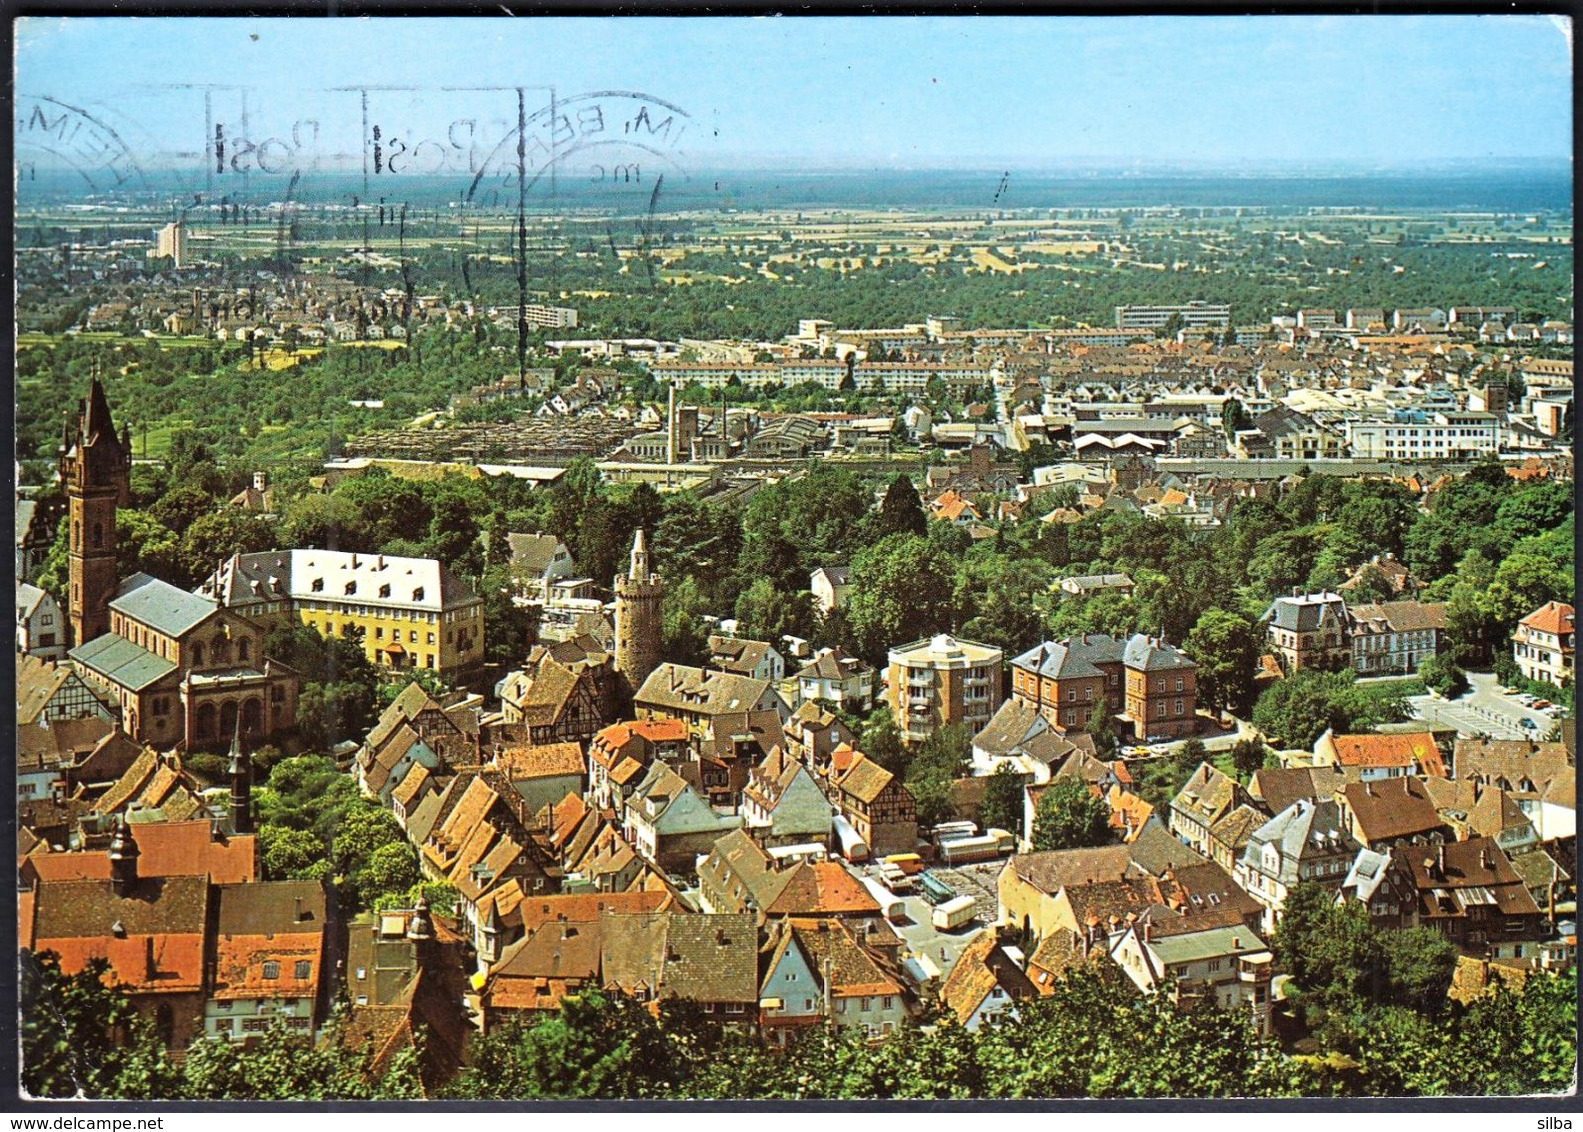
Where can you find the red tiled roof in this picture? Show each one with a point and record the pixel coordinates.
(1552, 617)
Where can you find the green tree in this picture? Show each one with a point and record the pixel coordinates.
(1442, 675)
(901, 511)
(901, 591)
(1003, 801)
(595, 1046)
(80, 1036)
(1225, 646)
(1068, 816)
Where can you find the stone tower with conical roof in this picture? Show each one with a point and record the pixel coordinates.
(95, 468)
(639, 621)
(241, 775)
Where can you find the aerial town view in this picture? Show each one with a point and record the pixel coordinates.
(818, 558)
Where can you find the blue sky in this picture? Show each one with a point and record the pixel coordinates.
(834, 92)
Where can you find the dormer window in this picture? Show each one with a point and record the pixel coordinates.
(351, 588)
(318, 585)
(384, 590)
(417, 594)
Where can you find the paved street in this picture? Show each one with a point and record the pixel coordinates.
(1483, 711)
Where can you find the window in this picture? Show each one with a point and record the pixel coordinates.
(429, 659)
(379, 633)
(866, 1005)
(244, 649)
(735, 1008)
(1178, 707)
(362, 972)
(351, 588)
(271, 969)
(417, 594)
(1178, 683)
(46, 619)
(384, 590)
(318, 585)
(889, 1004)
(303, 969)
(412, 636)
(431, 638)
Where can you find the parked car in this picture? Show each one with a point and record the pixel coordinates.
(1528, 724)
(1541, 705)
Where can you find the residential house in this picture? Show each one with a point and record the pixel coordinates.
(843, 681)
(543, 773)
(1275, 788)
(1149, 683)
(382, 762)
(1543, 644)
(711, 959)
(46, 692)
(985, 984)
(533, 975)
(40, 626)
(876, 805)
(1393, 811)
(704, 698)
(830, 586)
(1207, 796)
(47, 752)
(782, 803)
(813, 733)
(269, 964)
(1395, 636)
(1229, 836)
(670, 823)
(757, 660)
(1087, 585)
(1377, 757)
(1229, 967)
(537, 561)
(1540, 778)
(828, 970)
(1306, 841)
(1308, 631)
(407, 985)
(740, 875)
(1469, 892)
(1018, 736)
(1382, 568)
(619, 755)
(556, 701)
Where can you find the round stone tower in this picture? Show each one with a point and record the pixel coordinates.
(638, 617)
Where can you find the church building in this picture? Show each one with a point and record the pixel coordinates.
(185, 672)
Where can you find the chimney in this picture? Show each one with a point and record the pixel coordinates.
(150, 968)
(1484, 859)
(1440, 859)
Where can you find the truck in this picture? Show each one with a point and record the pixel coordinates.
(889, 906)
(995, 843)
(953, 913)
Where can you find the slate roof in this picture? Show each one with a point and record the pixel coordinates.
(1208, 795)
(1150, 654)
(708, 958)
(1191, 947)
(160, 605)
(122, 663)
(1301, 614)
(1014, 722)
(1302, 830)
(275, 574)
(1073, 657)
(1475, 872)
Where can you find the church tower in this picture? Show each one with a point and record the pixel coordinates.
(639, 593)
(95, 467)
(240, 771)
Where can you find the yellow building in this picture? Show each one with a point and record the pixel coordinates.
(413, 612)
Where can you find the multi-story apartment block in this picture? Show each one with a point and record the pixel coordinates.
(1149, 682)
(1308, 631)
(1417, 436)
(412, 612)
(943, 680)
(1196, 315)
(1543, 644)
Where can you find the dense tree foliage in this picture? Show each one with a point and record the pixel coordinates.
(1069, 816)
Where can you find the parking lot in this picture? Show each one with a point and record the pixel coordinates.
(942, 948)
(1485, 710)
